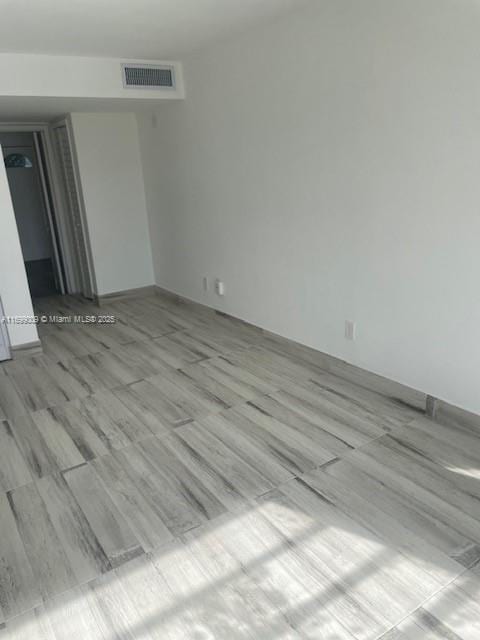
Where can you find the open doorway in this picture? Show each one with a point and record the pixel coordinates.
(32, 202)
(40, 165)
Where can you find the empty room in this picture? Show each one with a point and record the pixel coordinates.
(239, 315)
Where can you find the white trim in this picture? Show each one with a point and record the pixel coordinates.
(125, 294)
(83, 211)
(90, 275)
(22, 127)
(61, 217)
(37, 138)
(5, 349)
(27, 350)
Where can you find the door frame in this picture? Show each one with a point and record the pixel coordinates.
(86, 275)
(5, 349)
(59, 217)
(47, 189)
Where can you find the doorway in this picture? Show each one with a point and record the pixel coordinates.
(31, 197)
(40, 164)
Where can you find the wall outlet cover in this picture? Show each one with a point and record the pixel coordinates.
(350, 330)
(219, 288)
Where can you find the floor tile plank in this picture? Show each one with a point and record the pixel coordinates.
(144, 521)
(259, 458)
(89, 440)
(178, 515)
(19, 591)
(32, 625)
(40, 458)
(57, 439)
(142, 402)
(364, 481)
(11, 402)
(184, 483)
(247, 480)
(109, 526)
(51, 568)
(81, 546)
(356, 556)
(14, 470)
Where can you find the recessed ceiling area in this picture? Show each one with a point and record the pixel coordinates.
(150, 29)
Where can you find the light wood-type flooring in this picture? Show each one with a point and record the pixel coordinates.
(181, 475)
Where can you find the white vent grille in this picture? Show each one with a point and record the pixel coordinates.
(148, 76)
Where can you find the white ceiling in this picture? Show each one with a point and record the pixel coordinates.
(127, 28)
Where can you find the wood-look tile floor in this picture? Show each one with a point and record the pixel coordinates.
(180, 475)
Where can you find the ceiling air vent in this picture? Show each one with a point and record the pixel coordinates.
(148, 76)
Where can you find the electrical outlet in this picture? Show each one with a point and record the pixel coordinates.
(219, 288)
(350, 330)
(205, 283)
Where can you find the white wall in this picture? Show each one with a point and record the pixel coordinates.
(327, 167)
(75, 77)
(112, 183)
(14, 290)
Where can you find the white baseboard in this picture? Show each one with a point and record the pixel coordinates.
(126, 294)
(27, 350)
